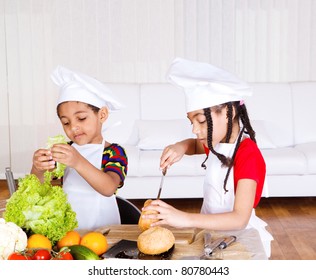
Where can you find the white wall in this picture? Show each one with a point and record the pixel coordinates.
(133, 41)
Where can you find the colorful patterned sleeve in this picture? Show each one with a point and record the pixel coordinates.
(115, 159)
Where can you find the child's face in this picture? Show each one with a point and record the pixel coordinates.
(81, 124)
(199, 124)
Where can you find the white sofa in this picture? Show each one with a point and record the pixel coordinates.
(282, 114)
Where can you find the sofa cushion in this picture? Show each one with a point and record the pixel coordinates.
(262, 136)
(273, 103)
(304, 113)
(187, 166)
(120, 124)
(133, 159)
(157, 134)
(309, 151)
(285, 161)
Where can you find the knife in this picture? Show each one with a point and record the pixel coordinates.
(164, 171)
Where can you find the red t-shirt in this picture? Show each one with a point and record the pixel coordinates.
(249, 164)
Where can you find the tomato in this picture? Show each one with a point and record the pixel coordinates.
(42, 254)
(63, 255)
(18, 256)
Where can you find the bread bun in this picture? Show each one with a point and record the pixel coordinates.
(155, 241)
(144, 224)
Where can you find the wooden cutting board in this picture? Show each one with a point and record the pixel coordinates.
(115, 233)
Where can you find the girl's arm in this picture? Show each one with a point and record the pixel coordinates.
(105, 183)
(237, 219)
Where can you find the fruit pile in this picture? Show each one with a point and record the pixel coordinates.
(71, 247)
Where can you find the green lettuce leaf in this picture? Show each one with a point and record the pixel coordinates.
(58, 172)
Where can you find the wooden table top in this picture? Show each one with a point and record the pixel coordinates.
(189, 243)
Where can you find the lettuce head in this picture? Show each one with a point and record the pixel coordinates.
(40, 208)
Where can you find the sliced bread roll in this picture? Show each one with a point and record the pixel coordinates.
(144, 224)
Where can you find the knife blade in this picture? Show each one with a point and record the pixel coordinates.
(164, 171)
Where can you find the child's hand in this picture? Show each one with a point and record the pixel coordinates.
(64, 153)
(166, 215)
(170, 155)
(42, 160)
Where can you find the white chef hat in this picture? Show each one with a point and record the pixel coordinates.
(206, 85)
(76, 86)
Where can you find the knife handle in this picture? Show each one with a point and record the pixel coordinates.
(229, 240)
(209, 248)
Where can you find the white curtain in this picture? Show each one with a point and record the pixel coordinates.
(134, 41)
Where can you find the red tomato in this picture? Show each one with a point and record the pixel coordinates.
(18, 256)
(42, 254)
(63, 255)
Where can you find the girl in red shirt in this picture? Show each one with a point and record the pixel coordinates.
(235, 168)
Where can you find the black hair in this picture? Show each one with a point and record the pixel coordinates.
(241, 114)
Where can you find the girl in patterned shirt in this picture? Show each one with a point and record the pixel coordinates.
(95, 168)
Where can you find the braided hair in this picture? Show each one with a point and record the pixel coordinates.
(242, 115)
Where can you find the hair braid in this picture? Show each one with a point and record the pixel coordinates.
(209, 122)
(233, 158)
(224, 160)
(242, 113)
(230, 121)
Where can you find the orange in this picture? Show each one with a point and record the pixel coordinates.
(71, 238)
(95, 241)
(38, 241)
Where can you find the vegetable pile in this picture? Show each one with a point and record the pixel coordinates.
(41, 254)
(40, 208)
(12, 238)
(38, 249)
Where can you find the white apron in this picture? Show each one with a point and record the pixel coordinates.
(92, 208)
(216, 201)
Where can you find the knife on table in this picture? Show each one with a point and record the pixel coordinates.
(211, 246)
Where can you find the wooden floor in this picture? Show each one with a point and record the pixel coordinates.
(291, 221)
